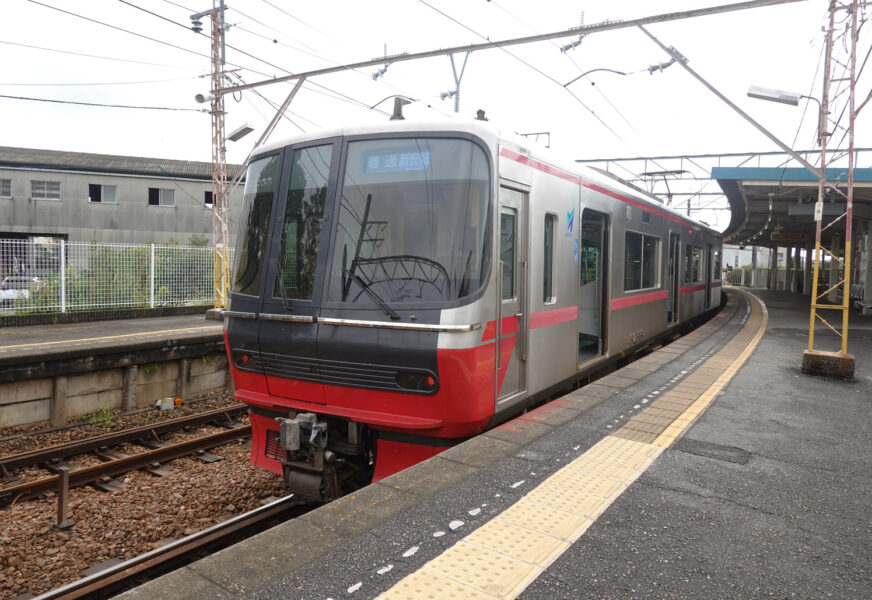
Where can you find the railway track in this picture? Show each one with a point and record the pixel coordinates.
(118, 577)
(116, 463)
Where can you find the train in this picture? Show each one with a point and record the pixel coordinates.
(400, 287)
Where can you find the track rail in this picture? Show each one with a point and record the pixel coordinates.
(119, 576)
(36, 457)
(80, 477)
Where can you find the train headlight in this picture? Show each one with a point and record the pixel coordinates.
(245, 360)
(423, 382)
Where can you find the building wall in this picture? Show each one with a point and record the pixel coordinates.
(736, 257)
(131, 219)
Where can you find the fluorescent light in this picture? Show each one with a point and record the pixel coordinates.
(240, 132)
(781, 96)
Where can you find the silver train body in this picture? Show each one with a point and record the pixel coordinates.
(457, 277)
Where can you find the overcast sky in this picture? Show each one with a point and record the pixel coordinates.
(57, 55)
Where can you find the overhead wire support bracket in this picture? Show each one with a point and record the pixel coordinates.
(572, 31)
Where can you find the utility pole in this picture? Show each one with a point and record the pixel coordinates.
(220, 202)
(817, 361)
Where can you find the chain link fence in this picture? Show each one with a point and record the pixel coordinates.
(42, 275)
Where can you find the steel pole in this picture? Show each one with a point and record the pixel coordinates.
(221, 263)
(846, 289)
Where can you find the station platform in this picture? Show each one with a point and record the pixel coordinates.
(46, 342)
(711, 468)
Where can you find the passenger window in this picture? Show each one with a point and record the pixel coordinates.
(507, 254)
(548, 262)
(692, 264)
(642, 262)
(301, 226)
(716, 258)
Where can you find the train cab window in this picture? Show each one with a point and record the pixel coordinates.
(641, 263)
(412, 222)
(548, 260)
(692, 264)
(260, 182)
(301, 227)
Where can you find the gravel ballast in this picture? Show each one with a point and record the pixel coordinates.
(148, 512)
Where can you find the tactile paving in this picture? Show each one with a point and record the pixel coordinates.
(569, 500)
(429, 584)
(584, 482)
(547, 520)
(519, 542)
(502, 557)
(491, 572)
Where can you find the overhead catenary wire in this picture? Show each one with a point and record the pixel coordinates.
(121, 29)
(112, 58)
(99, 83)
(56, 101)
(536, 69)
(570, 59)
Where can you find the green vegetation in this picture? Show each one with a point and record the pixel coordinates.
(115, 276)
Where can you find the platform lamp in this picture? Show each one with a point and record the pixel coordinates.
(791, 98)
(845, 361)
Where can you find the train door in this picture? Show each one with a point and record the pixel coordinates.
(592, 290)
(708, 276)
(673, 276)
(512, 277)
(289, 316)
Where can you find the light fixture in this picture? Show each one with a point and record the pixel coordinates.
(791, 98)
(203, 98)
(240, 132)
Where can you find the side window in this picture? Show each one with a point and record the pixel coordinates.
(260, 182)
(301, 227)
(548, 260)
(641, 262)
(5, 188)
(507, 254)
(716, 259)
(107, 194)
(45, 190)
(692, 256)
(161, 197)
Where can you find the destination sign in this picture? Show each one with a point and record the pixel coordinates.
(396, 160)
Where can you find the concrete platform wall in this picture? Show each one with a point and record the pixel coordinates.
(61, 397)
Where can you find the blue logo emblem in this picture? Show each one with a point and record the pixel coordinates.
(570, 221)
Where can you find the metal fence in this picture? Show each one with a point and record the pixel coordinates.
(51, 275)
(760, 278)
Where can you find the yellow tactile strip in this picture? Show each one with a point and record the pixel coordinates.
(669, 415)
(503, 556)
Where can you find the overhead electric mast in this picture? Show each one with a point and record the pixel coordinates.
(220, 202)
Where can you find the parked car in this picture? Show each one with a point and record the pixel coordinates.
(14, 287)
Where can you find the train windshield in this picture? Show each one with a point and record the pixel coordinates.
(413, 223)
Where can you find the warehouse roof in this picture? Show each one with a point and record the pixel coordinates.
(107, 163)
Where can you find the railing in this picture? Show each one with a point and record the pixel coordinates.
(760, 278)
(39, 275)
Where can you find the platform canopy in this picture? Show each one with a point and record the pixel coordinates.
(774, 206)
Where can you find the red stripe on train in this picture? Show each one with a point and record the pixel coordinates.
(557, 172)
(537, 320)
(553, 317)
(692, 288)
(628, 301)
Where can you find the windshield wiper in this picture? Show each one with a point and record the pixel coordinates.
(372, 295)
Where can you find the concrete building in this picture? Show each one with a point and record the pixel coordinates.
(83, 197)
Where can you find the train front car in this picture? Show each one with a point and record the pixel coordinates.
(354, 331)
